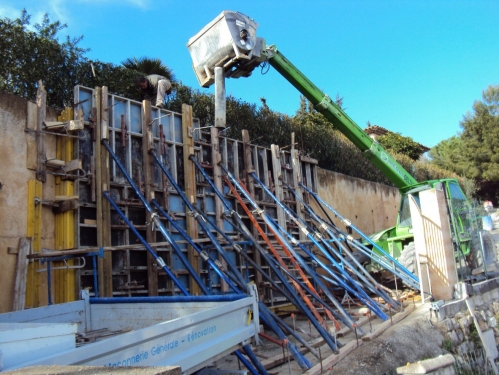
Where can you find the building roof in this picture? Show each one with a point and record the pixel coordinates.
(376, 130)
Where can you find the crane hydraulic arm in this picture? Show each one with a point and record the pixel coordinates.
(323, 104)
(230, 42)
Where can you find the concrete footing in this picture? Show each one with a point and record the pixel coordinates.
(442, 365)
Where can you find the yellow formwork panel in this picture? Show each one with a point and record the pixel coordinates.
(34, 232)
(64, 279)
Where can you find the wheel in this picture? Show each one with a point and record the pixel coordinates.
(489, 250)
(408, 259)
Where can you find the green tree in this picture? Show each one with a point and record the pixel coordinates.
(28, 56)
(147, 65)
(448, 154)
(480, 137)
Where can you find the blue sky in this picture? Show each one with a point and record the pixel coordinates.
(413, 67)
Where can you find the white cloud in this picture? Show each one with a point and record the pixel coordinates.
(56, 10)
(9, 12)
(144, 4)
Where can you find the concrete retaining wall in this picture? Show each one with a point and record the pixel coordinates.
(16, 156)
(370, 206)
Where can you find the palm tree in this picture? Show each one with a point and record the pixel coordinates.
(146, 66)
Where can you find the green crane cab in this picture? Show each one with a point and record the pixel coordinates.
(467, 239)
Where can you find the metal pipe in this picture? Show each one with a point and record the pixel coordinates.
(160, 261)
(201, 219)
(94, 267)
(316, 297)
(300, 359)
(291, 331)
(165, 268)
(249, 352)
(49, 286)
(217, 266)
(343, 284)
(295, 299)
(273, 226)
(377, 288)
(246, 363)
(359, 292)
(348, 223)
(156, 220)
(271, 339)
(165, 233)
(203, 223)
(172, 299)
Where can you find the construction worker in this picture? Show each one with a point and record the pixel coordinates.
(153, 88)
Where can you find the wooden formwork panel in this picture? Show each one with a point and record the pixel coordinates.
(129, 266)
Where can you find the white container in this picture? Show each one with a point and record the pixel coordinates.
(24, 342)
(225, 42)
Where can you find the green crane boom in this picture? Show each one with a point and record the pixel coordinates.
(323, 104)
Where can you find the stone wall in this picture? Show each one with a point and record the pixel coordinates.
(455, 321)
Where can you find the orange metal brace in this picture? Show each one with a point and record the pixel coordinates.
(281, 261)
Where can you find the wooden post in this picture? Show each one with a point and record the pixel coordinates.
(276, 165)
(102, 184)
(41, 102)
(295, 160)
(148, 171)
(21, 274)
(106, 206)
(250, 183)
(190, 191)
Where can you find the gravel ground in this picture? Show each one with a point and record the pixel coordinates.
(411, 340)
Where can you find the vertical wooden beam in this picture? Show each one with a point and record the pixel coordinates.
(250, 183)
(216, 159)
(101, 184)
(106, 206)
(190, 190)
(98, 149)
(148, 172)
(295, 160)
(21, 274)
(64, 279)
(248, 163)
(41, 102)
(276, 166)
(34, 231)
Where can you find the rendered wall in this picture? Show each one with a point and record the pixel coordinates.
(370, 206)
(17, 154)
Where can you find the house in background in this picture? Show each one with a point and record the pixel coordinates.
(375, 131)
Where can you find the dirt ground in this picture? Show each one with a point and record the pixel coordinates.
(410, 340)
